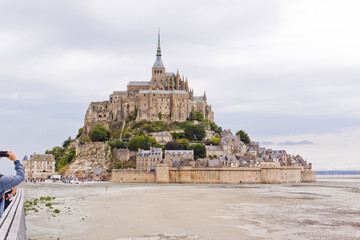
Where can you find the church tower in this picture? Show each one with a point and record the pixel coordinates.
(158, 70)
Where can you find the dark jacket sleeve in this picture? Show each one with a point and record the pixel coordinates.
(8, 182)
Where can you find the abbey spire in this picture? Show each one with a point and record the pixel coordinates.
(158, 62)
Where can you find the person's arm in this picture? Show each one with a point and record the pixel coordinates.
(8, 182)
(13, 192)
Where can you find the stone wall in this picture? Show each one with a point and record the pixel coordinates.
(122, 155)
(132, 176)
(267, 173)
(308, 176)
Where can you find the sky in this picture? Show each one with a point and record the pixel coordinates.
(286, 72)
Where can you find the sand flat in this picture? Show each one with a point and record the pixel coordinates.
(328, 209)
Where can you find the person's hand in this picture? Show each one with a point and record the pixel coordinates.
(9, 196)
(12, 156)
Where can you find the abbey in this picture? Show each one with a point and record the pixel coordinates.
(166, 97)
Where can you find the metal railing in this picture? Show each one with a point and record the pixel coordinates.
(12, 222)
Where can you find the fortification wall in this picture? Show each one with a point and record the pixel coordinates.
(308, 176)
(214, 175)
(267, 173)
(132, 176)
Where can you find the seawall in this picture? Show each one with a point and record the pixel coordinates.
(266, 173)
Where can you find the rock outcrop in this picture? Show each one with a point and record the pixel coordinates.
(90, 156)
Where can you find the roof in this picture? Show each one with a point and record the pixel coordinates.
(97, 171)
(154, 152)
(198, 99)
(213, 148)
(161, 134)
(139, 83)
(214, 163)
(158, 63)
(185, 163)
(276, 152)
(25, 158)
(119, 92)
(163, 91)
(169, 74)
(179, 151)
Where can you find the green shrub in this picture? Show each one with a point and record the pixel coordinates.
(81, 130)
(117, 144)
(99, 133)
(194, 132)
(199, 150)
(85, 139)
(243, 136)
(142, 142)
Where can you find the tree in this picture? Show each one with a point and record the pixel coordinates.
(66, 142)
(194, 132)
(215, 141)
(142, 142)
(81, 130)
(172, 145)
(243, 136)
(199, 150)
(66, 159)
(160, 116)
(183, 144)
(215, 128)
(117, 144)
(196, 115)
(99, 133)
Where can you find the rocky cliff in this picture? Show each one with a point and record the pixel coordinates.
(90, 156)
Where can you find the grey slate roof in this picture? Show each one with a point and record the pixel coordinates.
(97, 171)
(145, 153)
(169, 74)
(214, 163)
(158, 63)
(138, 83)
(213, 148)
(179, 151)
(161, 134)
(163, 91)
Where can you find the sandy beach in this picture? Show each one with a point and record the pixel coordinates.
(328, 209)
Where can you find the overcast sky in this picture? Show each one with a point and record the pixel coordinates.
(286, 72)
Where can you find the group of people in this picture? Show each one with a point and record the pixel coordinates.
(35, 180)
(8, 183)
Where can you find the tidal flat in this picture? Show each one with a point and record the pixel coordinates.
(327, 209)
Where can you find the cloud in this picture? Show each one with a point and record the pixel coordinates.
(295, 143)
(277, 69)
(266, 143)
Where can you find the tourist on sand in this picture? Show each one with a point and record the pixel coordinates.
(8, 182)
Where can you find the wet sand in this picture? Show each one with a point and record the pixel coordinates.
(328, 209)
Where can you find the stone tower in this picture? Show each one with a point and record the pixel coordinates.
(158, 70)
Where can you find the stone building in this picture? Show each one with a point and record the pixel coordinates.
(166, 97)
(231, 144)
(148, 159)
(176, 157)
(214, 151)
(39, 166)
(162, 138)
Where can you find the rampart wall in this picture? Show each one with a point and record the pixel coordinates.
(266, 173)
(132, 176)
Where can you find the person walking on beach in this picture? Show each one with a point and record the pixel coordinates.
(8, 182)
